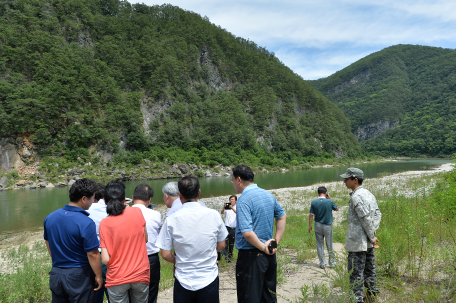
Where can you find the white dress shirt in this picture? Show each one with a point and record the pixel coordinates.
(153, 226)
(177, 204)
(97, 213)
(230, 218)
(193, 232)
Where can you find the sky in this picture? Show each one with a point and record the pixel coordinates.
(316, 38)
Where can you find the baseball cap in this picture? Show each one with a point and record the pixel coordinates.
(353, 172)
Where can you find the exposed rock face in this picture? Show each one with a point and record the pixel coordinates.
(3, 181)
(360, 78)
(214, 79)
(373, 129)
(9, 157)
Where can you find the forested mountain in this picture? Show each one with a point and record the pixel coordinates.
(85, 75)
(400, 100)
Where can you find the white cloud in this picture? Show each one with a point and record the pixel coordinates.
(330, 32)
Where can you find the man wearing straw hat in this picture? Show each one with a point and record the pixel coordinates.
(363, 221)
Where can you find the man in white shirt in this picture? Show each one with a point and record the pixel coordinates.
(97, 212)
(196, 233)
(230, 223)
(141, 198)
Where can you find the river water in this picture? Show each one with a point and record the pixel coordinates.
(25, 209)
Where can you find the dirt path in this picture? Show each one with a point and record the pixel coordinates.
(295, 276)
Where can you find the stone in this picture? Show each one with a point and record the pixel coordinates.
(174, 171)
(183, 168)
(59, 184)
(71, 182)
(20, 183)
(116, 171)
(26, 154)
(42, 184)
(208, 174)
(148, 162)
(3, 181)
(33, 186)
(227, 174)
(147, 167)
(215, 174)
(50, 185)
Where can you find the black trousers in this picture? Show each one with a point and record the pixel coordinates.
(72, 284)
(256, 277)
(208, 294)
(154, 262)
(229, 246)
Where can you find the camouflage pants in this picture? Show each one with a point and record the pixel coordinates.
(363, 265)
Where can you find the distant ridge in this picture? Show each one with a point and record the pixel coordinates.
(400, 100)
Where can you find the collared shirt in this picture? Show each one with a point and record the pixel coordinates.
(230, 218)
(322, 209)
(256, 210)
(71, 235)
(363, 220)
(97, 212)
(177, 204)
(153, 226)
(193, 232)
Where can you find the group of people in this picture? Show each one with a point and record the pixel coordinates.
(363, 221)
(99, 245)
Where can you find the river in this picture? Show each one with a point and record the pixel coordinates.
(25, 209)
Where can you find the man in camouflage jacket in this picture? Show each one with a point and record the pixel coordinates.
(363, 221)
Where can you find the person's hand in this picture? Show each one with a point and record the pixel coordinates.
(310, 229)
(375, 243)
(231, 206)
(274, 250)
(328, 196)
(98, 282)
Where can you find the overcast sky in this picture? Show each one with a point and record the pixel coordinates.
(317, 38)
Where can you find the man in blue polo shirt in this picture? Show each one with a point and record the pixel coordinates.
(256, 267)
(321, 209)
(72, 243)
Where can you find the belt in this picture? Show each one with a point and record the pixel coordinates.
(230, 227)
(156, 254)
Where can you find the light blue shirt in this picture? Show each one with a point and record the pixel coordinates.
(97, 212)
(256, 210)
(177, 204)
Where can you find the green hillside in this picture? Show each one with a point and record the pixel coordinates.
(79, 76)
(409, 89)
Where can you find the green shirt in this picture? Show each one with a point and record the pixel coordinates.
(322, 209)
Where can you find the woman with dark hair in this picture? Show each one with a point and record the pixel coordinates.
(123, 238)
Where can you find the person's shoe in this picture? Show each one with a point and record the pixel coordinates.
(322, 266)
(332, 265)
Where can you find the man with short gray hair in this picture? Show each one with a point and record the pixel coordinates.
(363, 221)
(171, 197)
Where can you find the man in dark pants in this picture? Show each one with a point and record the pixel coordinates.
(196, 233)
(363, 221)
(141, 198)
(72, 243)
(230, 223)
(256, 267)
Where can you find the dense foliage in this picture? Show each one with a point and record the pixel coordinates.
(76, 73)
(415, 85)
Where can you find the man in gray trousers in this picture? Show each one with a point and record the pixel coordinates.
(321, 209)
